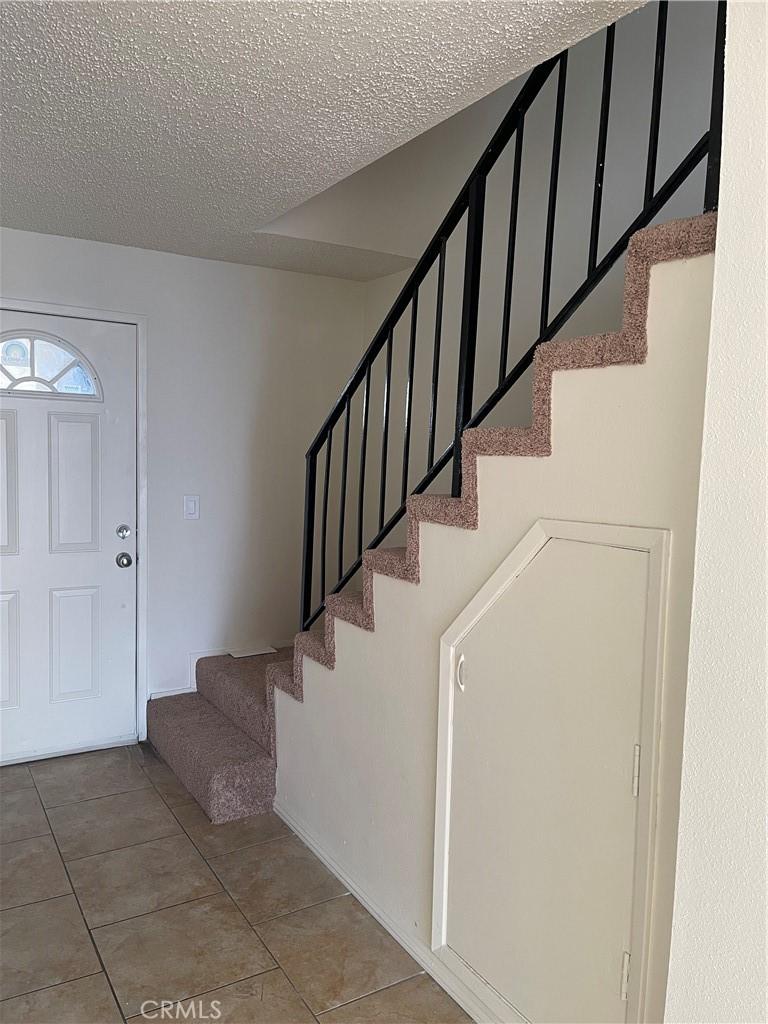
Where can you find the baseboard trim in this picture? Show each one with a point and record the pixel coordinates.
(155, 694)
(424, 956)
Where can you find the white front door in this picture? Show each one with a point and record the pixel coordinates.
(68, 577)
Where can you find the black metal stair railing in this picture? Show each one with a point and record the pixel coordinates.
(469, 206)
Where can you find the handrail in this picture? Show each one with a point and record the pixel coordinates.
(530, 89)
(470, 203)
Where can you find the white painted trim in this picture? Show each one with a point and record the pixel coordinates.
(656, 542)
(140, 322)
(438, 970)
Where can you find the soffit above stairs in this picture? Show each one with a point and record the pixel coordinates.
(187, 126)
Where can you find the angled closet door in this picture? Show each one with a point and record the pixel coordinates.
(544, 706)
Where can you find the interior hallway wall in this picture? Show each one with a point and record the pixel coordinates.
(243, 363)
(718, 963)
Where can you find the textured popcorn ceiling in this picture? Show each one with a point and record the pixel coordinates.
(186, 126)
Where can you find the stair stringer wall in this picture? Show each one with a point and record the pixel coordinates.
(357, 760)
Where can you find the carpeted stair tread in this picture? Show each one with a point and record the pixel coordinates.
(443, 510)
(238, 686)
(349, 608)
(228, 773)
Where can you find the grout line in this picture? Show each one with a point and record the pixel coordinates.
(208, 991)
(296, 910)
(157, 910)
(128, 846)
(57, 984)
(82, 915)
(104, 796)
(9, 842)
(71, 803)
(373, 992)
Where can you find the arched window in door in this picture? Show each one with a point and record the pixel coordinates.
(36, 363)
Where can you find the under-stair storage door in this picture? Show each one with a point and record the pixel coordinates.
(540, 799)
(68, 564)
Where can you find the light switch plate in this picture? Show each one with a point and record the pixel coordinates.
(191, 506)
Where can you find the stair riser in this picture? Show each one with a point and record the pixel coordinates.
(233, 699)
(191, 744)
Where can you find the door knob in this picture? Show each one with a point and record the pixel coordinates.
(123, 531)
(124, 560)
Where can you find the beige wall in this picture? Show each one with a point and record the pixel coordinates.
(243, 363)
(356, 771)
(718, 964)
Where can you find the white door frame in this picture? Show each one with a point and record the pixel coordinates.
(139, 321)
(656, 542)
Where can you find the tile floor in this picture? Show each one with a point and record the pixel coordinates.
(116, 893)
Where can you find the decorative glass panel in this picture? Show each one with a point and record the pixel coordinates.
(50, 359)
(43, 364)
(15, 357)
(76, 382)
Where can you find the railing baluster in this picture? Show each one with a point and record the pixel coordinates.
(324, 521)
(343, 495)
(309, 537)
(712, 185)
(469, 310)
(602, 140)
(553, 176)
(511, 242)
(409, 397)
(436, 353)
(658, 80)
(363, 447)
(385, 430)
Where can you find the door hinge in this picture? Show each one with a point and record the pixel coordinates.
(636, 771)
(623, 994)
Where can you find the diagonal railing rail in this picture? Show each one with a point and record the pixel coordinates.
(469, 208)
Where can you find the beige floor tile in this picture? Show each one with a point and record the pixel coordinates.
(110, 822)
(65, 780)
(31, 870)
(275, 878)
(418, 1000)
(167, 785)
(86, 1001)
(213, 840)
(44, 944)
(266, 999)
(15, 776)
(21, 816)
(176, 953)
(143, 754)
(140, 879)
(335, 952)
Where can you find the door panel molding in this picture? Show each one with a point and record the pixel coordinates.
(656, 544)
(9, 478)
(87, 486)
(68, 617)
(9, 649)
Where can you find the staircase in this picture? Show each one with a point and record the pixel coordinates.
(220, 741)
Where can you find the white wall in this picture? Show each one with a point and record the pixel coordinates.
(718, 965)
(357, 760)
(243, 363)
